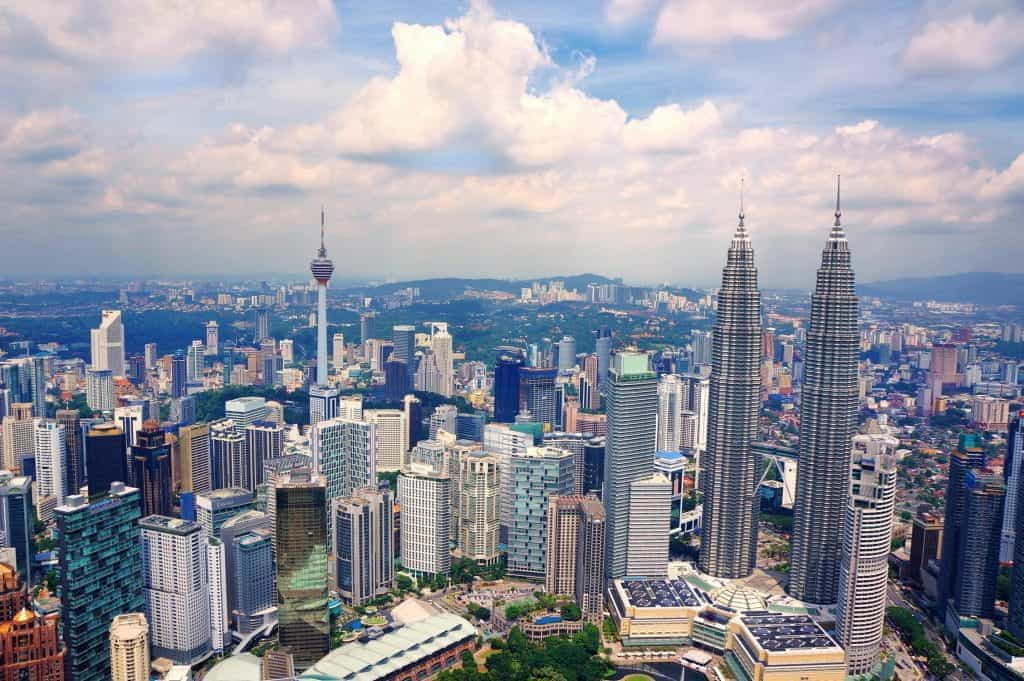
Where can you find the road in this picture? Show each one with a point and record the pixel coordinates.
(897, 598)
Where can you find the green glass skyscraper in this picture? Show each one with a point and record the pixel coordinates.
(100, 573)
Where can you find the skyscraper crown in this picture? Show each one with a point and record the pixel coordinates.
(321, 266)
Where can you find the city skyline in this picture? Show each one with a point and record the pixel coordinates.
(257, 117)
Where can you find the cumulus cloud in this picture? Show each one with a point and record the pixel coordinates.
(671, 128)
(965, 44)
(44, 135)
(705, 22)
(625, 11)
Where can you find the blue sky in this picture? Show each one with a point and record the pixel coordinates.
(508, 138)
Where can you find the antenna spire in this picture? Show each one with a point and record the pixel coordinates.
(839, 213)
(742, 215)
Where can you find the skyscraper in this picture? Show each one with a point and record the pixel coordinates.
(151, 464)
(538, 387)
(425, 496)
(75, 462)
(344, 453)
(967, 457)
(632, 403)
(250, 578)
(100, 574)
(392, 437)
(441, 344)
(129, 648)
(194, 446)
(478, 498)
(106, 452)
(413, 409)
(728, 540)
(566, 353)
(177, 589)
(537, 474)
(828, 420)
(1016, 605)
(107, 343)
(17, 520)
(863, 566)
(338, 350)
(647, 552)
(974, 593)
(506, 384)
(366, 327)
(99, 389)
(603, 350)
(1013, 471)
(212, 338)
(50, 452)
(264, 440)
(575, 552)
(215, 508)
(670, 414)
(300, 537)
(364, 544)
(179, 374)
(396, 380)
(404, 338)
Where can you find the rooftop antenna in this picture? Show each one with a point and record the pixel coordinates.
(323, 250)
(839, 213)
(741, 203)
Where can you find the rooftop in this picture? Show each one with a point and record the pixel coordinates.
(659, 593)
(174, 525)
(778, 633)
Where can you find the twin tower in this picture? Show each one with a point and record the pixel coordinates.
(828, 421)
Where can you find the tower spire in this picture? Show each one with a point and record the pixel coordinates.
(839, 213)
(323, 249)
(742, 215)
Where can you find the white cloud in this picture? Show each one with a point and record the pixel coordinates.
(671, 128)
(625, 11)
(44, 135)
(965, 44)
(706, 22)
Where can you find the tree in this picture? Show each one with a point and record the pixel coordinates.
(571, 612)
(517, 642)
(468, 661)
(547, 674)
(403, 582)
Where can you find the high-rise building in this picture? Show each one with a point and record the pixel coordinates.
(228, 460)
(212, 338)
(632, 403)
(537, 474)
(445, 417)
(177, 589)
(364, 544)
(100, 575)
(99, 389)
(344, 453)
(925, 543)
(396, 380)
(728, 540)
(129, 648)
(603, 350)
(264, 440)
(338, 350)
(538, 387)
(130, 419)
(36, 368)
(216, 507)
(108, 343)
(106, 453)
(828, 420)
(441, 345)
(502, 441)
(300, 537)
(217, 579)
(179, 374)
(30, 645)
(863, 562)
(250, 578)
(323, 403)
(51, 455)
(478, 497)
(1013, 472)
(670, 414)
(506, 384)
(195, 362)
(404, 338)
(566, 353)
(75, 461)
(366, 327)
(19, 439)
(149, 352)
(391, 437)
(575, 552)
(244, 411)
(1015, 611)
(649, 525)
(701, 344)
(967, 457)
(17, 521)
(974, 593)
(413, 409)
(151, 469)
(425, 498)
(194, 448)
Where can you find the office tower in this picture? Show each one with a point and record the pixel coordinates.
(1015, 610)
(264, 440)
(217, 579)
(828, 420)
(300, 537)
(404, 338)
(129, 648)
(942, 367)
(863, 562)
(108, 343)
(100, 573)
(566, 353)
(441, 345)
(701, 344)
(195, 364)
(632, 404)
(344, 453)
(538, 387)
(962, 461)
(323, 403)
(228, 365)
(179, 374)
(695, 403)
(396, 380)
(366, 327)
(244, 411)
(215, 508)
(17, 521)
(51, 454)
(478, 497)
(444, 418)
(925, 542)
(287, 350)
(593, 466)
(432, 453)
(250, 578)
(506, 384)
(425, 497)
(414, 417)
(212, 339)
(364, 544)
(603, 350)
(1013, 472)
(30, 647)
(74, 464)
(130, 420)
(149, 352)
(974, 592)
(268, 361)
(537, 474)
(470, 426)
(18, 439)
(261, 324)
(350, 407)
(194, 445)
(575, 552)
(35, 368)
(105, 451)
(731, 470)
(151, 469)
(338, 350)
(649, 525)
(177, 589)
(391, 437)
(228, 458)
(501, 440)
(574, 443)
(99, 389)
(670, 414)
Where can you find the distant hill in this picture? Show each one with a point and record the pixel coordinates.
(979, 288)
(452, 287)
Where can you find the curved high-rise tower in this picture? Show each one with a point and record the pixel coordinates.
(828, 421)
(728, 542)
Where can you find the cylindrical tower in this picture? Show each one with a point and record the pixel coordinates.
(322, 269)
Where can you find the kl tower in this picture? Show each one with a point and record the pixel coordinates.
(323, 399)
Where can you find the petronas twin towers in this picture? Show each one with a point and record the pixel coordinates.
(828, 410)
